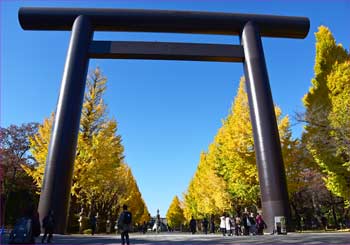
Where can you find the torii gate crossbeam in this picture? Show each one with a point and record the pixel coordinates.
(83, 22)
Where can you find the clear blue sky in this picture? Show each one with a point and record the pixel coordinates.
(168, 111)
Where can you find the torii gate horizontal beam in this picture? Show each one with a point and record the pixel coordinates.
(140, 20)
(166, 51)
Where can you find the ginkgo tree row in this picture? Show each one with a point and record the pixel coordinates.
(317, 165)
(226, 178)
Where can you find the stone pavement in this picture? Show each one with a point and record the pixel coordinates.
(186, 238)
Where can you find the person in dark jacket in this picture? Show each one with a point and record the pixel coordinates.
(124, 224)
(48, 226)
(93, 223)
(205, 225)
(144, 227)
(35, 222)
(252, 227)
(212, 224)
(193, 225)
(246, 223)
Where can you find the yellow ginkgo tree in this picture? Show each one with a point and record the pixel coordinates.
(327, 117)
(226, 179)
(175, 215)
(102, 182)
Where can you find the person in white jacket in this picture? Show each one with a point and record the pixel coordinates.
(223, 224)
(228, 225)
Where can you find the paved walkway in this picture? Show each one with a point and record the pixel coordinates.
(185, 238)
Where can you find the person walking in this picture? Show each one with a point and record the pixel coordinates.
(193, 225)
(232, 224)
(205, 225)
(228, 225)
(144, 227)
(252, 227)
(260, 224)
(246, 223)
(93, 224)
(48, 227)
(124, 224)
(324, 222)
(212, 224)
(223, 224)
(238, 230)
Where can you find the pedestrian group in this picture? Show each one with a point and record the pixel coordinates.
(248, 224)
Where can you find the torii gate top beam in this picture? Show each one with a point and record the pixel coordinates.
(137, 20)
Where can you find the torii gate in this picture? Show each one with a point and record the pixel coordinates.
(83, 22)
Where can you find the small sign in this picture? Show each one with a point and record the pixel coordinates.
(280, 225)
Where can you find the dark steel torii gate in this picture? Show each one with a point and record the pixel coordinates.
(83, 22)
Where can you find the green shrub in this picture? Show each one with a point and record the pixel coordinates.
(87, 231)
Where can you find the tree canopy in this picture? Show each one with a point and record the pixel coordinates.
(226, 178)
(102, 182)
(175, 215)
(327, 117)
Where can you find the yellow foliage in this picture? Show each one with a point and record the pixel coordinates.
(39, 145)
(175, 215)
(226, 178)
(327, 103)
(101, 179)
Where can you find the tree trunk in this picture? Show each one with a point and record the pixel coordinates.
(297, 216)
(334, 214)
